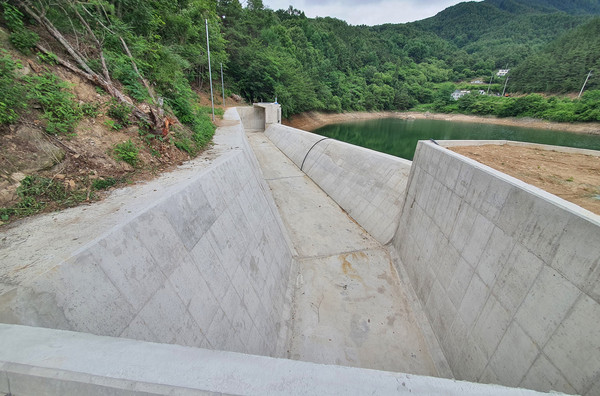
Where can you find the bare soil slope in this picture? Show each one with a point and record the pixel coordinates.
(314, 120)
(79, 159)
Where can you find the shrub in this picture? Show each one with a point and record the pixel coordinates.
(36, 192)
(103, 184)
(24, 40)
(57, 102)
(127, 152)
(120, 112)
(20, 37)
(90, 109)
(11, 91)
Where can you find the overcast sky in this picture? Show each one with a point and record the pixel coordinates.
(366, 12)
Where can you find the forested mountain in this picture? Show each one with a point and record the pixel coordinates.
(574, 7)
(316, 64)
(505, 32)
(562, 65)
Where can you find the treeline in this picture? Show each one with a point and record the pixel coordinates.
(319, 64)
(533, 105)
(325, 64)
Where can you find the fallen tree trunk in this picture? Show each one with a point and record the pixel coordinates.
(154, 121)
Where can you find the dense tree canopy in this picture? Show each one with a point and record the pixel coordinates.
(324, 63)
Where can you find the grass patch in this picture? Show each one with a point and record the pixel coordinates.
(127, 152)
(36, 193)
(107, 182)
(58, 104)
(120, 112)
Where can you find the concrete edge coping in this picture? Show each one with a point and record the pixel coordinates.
(536, 191)
(28, 354)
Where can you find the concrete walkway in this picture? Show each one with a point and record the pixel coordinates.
(349, 306)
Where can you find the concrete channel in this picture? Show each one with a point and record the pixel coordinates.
(282, 263)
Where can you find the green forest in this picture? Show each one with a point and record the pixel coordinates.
(322, 64)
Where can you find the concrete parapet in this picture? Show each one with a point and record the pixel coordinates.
(508, 274)
(206, 264)
(36, 361)
(368, 185)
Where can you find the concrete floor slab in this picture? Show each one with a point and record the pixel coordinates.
(349, 306)
(317, 225)
(351, 310)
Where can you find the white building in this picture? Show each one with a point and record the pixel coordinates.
(459, 94)
(502, 72)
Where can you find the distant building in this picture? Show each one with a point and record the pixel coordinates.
(502, 72)
(477, 82)
(459, 94)
(481, 92)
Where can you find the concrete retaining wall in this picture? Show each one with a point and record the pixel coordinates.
(507, 274)
(369, 185)
(207, 266)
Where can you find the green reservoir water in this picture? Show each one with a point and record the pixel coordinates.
(399, 137)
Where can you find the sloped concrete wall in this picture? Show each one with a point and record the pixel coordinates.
(507, 274)
(369, 185)
(205, 266)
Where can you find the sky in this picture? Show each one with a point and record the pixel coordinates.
(366, 12)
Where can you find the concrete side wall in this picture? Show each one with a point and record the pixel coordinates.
(369, 185)
(253, 118)
(36, 361)
(206, 266)
(507, 274)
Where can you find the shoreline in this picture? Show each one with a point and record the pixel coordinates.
(312, 120)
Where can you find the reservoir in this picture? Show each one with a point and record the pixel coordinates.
(399, 137)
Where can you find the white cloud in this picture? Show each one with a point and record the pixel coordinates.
(366, 12)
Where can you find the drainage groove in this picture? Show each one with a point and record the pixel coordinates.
(309, 150)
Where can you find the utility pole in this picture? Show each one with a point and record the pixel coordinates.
(222, 86)
(210, 72)
(586, 80)
(490, 84)
(505, 83)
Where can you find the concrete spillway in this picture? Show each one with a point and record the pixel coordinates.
(279, 244)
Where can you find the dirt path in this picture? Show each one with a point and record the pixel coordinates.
(573, 177)
(313, 120)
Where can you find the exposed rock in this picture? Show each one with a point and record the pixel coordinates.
(45, 154)
(17, 177)
(23, 71)
(8, 193)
